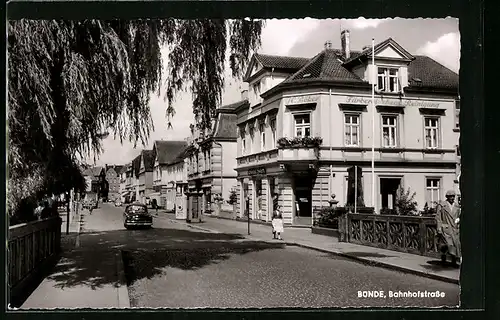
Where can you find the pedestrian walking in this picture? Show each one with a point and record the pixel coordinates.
(277, 223)
(448, 223)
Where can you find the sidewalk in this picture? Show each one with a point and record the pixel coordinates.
(85, 276)
(400, 261)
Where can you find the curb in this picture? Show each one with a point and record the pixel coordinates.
(379, 264)
(258, 222)
(121, 286)
(195, 227)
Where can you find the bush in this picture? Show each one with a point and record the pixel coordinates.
(233, 197)
(406, 204)
(387, 211)
(429, 211)
(328, 217)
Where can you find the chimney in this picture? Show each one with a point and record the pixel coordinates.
(328, 45)
(345, 41)
(244, 94)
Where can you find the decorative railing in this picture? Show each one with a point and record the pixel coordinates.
(411, 234)
(31, 246)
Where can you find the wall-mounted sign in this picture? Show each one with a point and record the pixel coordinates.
(302, 99)
(256, 171)
(393, 102)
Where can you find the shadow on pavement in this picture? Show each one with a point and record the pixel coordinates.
(438, 265)
(367, 255)
(94, 263)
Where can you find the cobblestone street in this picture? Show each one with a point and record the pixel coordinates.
(254, 278)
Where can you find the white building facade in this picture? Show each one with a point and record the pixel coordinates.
(309, 120)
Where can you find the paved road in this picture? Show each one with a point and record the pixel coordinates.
(174, 266)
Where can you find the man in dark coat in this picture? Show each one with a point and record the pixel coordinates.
(448, 220)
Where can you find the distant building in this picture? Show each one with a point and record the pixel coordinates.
(113, 178)
(146, 175)
(211, 162)
(95, 177)
(166, 170)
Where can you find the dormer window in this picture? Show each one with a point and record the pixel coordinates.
(388, 80)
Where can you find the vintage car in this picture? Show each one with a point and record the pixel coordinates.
(137, 215)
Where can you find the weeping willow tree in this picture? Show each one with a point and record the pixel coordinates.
(70, 81)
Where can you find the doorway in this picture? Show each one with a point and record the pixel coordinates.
(303, 200)
(388, 190)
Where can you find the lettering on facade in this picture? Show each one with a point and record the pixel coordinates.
(302, 99)
(394, 102)
(256, 171)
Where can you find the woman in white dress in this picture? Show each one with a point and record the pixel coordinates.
(277, 223)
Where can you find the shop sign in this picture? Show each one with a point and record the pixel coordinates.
(393, 102)
(302, 99)
(256, 171)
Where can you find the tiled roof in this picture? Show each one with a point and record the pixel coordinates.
(431, 73)
(324, 66)
(93, 171)
(181, 155)
(328, 65)
(149, 159)
(232, 107)
(226, 126)
(167, 151)
(116, 167)
(281, 62)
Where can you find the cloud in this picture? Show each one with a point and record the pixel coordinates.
(445, 50)
(279, 35)
(363, 23)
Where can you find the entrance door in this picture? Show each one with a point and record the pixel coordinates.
(303, 199)
(388, 190)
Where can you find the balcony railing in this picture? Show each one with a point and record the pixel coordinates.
(258, 158)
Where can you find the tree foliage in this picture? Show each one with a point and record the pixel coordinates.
(70, 81)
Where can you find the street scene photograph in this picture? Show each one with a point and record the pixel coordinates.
(233, 163)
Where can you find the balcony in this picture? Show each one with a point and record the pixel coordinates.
(258, 159)
(303, 149)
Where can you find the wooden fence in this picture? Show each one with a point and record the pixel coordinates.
(31, 247)
(411, 234)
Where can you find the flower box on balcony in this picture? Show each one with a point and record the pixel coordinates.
(300, 142)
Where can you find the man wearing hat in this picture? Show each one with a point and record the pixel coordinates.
(448, 222)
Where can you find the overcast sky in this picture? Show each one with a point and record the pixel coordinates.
(437, 38)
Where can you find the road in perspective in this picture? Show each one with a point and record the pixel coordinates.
(174, 265)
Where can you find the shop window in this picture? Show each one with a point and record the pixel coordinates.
(352, 126)
(388, 80)
(431, 129)
(432, 191)
(273, 132)
(262, 136)
(302, 125)
(389, 131)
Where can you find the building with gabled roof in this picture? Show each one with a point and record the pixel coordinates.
(308, 120)
(165, 154)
